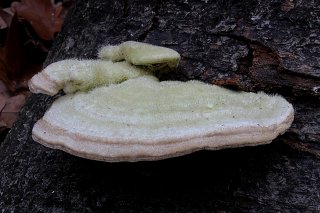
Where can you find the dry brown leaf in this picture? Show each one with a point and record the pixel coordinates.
(23, 51)
(15, 66)
(12, 56)
(5, 18)
(4, 95)
(45, 17)
(10, 110)
(16, 62)
(3, 100)
(15, 103)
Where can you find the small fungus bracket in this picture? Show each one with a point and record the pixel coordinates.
(141, 54)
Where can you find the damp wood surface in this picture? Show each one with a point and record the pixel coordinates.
(271, 46)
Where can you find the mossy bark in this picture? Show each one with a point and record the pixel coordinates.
(251, 45)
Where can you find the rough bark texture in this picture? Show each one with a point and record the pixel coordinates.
(250, 45)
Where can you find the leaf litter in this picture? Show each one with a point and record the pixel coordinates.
(27, 30)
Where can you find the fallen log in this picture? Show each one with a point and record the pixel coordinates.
(251, 45)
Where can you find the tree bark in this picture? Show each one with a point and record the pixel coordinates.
(251, 45)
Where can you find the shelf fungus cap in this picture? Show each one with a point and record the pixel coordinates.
(141, 54)
(144, 119)
(73, 75)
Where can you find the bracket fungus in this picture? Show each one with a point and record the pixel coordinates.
(136, 117)
(80, 75)
(141, 54)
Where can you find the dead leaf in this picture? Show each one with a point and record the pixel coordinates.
(11, 109)
(15, 103)
(3, 100)
(24, 48)
(20, 59)
(5, 18)
(12, 56)
(4, 95)
(45, 17)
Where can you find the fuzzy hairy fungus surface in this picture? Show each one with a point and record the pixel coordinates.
(144, 119)
(81, 75)
(141, 54)
(118, 111)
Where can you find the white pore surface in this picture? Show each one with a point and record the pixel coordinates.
(143, 119)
